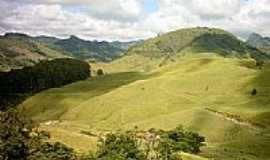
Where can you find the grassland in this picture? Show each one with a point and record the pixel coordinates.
(183, 92)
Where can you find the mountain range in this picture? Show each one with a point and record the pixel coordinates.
(18, 50)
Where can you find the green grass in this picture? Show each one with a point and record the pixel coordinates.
(164, 98)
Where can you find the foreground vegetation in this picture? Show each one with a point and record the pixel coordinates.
(21, 140)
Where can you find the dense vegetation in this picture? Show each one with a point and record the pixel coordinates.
(47, 74)
(20, 139)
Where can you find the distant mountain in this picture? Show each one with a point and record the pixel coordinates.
(84, 49)
(262, 43)
(125, 45)
(18, 50)
(47, 39)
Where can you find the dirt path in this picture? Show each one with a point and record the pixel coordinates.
(236, 119)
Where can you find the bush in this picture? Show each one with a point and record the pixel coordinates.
(100, 72)
(175, 141)
(143, 145)
(254, 92)
(119, 146)
(19, 140)
(57, 151)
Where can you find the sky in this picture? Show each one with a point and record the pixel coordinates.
(127, 20)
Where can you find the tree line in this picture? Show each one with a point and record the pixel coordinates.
(16, 84)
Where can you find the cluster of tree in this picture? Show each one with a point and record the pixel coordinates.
(47, 74)
(21, 140)
(147, 145)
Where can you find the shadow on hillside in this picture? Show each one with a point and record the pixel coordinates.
(221, 44)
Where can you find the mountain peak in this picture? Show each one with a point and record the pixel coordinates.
(196, 40)
(16, 35)
(74, 37)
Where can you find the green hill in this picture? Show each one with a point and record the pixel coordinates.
(167, 48)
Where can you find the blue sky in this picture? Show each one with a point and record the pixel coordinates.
(150, 6)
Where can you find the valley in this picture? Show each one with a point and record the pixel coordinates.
(205, 79)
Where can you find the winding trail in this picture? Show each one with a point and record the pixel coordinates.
(236, 119)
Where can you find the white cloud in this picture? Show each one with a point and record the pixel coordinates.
(126, 19)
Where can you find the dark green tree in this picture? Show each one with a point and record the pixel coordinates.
(100, 72)
(119, 146)
(16, 136)
(20, 140)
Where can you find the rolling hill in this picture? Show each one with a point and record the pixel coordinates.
(167, 48)
(210, 95)
(19, 50)
(201, 78)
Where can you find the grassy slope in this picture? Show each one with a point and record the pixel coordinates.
(176, 94)
(167, 48)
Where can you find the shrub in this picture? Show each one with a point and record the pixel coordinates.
(56, 151)
(100, 72)
(19, 140)
(254, 92)
(119, 146)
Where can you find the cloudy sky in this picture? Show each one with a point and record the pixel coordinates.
(131, 19)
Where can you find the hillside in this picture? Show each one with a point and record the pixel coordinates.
(19, 50)
(262, 43)
(205, 93)
(167, 48)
